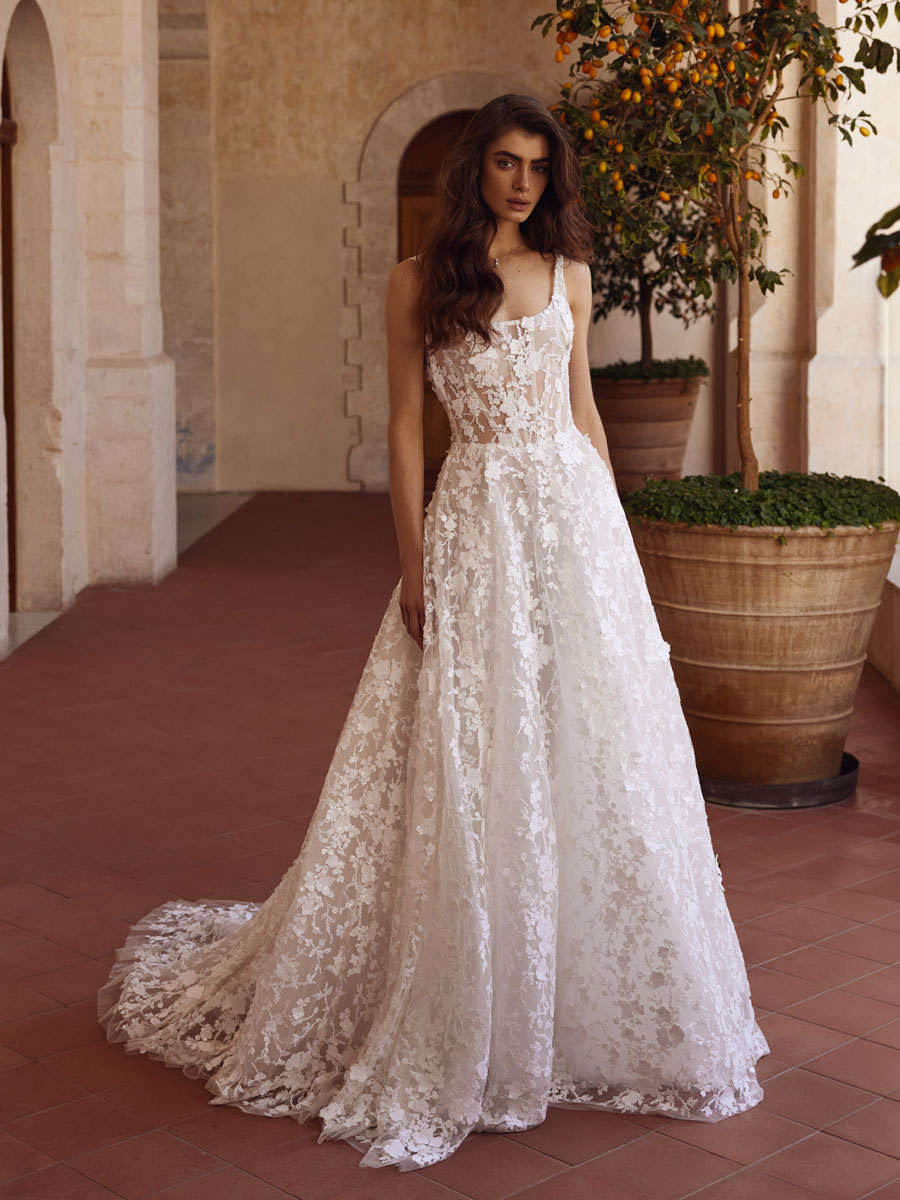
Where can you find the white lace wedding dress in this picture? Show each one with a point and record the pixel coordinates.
(508, 896)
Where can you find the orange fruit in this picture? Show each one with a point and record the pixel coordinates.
(588, 134)
(665, 197)
(682, 250)
(595, 116)
(890, 260)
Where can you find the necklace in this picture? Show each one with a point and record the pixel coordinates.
(515, 250)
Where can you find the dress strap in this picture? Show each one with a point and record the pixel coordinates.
(557, 277)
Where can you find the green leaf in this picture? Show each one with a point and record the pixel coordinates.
(671, 134)
(888, 282)
(882, 15)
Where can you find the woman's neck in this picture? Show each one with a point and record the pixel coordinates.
(507, 239)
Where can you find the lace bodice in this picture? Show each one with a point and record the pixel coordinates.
(516, 390)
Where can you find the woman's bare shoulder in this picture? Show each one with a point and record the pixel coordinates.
(404, 281)
(578, 272)
(406, 274)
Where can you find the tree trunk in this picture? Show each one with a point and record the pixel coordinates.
(645, 297)
(749, 461)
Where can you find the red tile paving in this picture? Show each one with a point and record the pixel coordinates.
(173, 740)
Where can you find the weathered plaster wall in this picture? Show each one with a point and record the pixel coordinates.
(295, 97)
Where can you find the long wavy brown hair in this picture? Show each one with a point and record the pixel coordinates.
(460, 290)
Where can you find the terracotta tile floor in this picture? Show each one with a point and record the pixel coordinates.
(173, 740)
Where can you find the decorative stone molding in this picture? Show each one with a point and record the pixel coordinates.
(370, 241)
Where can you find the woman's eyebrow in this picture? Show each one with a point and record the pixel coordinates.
(518, 157)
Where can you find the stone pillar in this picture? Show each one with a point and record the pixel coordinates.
(130, 385)
(853, 394)
(186, 222)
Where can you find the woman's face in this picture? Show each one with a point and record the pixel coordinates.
(514, 174)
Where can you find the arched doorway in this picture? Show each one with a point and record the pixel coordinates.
(416, 179)
(33, 422)
(8, 131)
(370, 236)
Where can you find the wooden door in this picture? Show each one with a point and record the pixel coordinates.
(416, 185)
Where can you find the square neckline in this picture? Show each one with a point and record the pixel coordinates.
(546, 308)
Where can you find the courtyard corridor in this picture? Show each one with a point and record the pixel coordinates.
(172, 740)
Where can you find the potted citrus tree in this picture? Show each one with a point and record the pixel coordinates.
(647, 406)
(765, 585)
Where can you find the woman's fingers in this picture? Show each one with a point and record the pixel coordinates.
(414, 621)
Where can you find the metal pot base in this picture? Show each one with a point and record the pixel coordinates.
(784, 795)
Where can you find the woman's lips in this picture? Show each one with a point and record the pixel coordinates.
(520, 205)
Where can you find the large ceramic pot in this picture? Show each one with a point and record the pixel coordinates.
(647, 423)
(768, 638)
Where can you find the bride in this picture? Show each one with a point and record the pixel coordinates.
(507, 896)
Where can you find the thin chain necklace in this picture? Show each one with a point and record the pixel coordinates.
(515, 250)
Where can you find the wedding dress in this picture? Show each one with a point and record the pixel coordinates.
(507, 896)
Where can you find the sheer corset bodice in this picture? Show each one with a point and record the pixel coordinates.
(514, 391)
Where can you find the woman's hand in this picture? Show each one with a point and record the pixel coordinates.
(412, 603)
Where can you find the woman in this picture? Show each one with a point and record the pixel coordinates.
(507, 896)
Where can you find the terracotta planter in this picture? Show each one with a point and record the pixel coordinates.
(647, 423)
(767, 640)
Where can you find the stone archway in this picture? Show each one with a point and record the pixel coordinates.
(370, 239)
(38, 426)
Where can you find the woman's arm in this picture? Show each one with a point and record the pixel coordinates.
(405, 347)
(584, 410)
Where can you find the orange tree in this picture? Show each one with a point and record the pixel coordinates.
(677, 111)
(637, 267)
